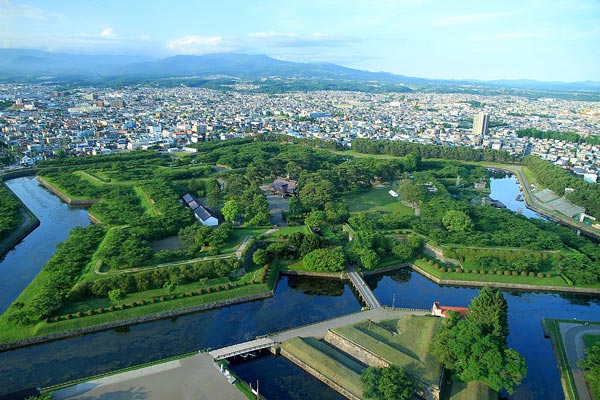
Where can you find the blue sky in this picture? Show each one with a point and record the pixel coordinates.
(492, 39)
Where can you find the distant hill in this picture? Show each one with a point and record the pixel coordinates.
(22, 63)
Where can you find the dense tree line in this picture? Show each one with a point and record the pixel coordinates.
(558, 179)
(557, 135)
(431, 151)
(9, 212)
(154, 278)
(475, 348)
(62, 271)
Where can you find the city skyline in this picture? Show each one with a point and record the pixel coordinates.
(530, 39)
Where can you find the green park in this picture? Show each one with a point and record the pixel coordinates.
(380, 206)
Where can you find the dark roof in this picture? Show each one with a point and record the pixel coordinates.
(202, 213)
(284, 185)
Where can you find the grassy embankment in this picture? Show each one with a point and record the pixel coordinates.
(328, 361)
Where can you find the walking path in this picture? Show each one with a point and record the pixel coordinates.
(238, 253)
(572, 337)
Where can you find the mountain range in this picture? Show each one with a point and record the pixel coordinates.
(22, 63)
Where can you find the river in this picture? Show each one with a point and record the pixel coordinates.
(297, 301)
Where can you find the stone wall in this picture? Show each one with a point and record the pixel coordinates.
(435, 252)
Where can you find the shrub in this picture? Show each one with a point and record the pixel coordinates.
(79, 314)
(532, 274)
(111, 308)
(90, 312)
(443, 269)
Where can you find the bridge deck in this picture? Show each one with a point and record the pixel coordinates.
(242, 348)
(363, 290)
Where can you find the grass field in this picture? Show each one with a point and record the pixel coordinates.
(471, 277)
(404, 342)
(377, 199)
(326, 360)
(472, 391)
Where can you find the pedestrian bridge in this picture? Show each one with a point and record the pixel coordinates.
(241, 348)
(363, 290)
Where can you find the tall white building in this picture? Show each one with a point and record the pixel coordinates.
(480, 124)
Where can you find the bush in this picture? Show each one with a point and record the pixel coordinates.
(90, 312)
(532, 274)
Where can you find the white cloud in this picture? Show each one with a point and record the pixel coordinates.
(195, 44)
(107, 33)
(468, 18)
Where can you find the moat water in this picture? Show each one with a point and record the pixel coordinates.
(297, 301)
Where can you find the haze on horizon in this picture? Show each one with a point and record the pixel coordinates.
(551, 40)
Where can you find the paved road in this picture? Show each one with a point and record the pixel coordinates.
(189, 378)
(572, 336)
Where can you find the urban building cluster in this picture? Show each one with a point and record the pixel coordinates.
(44, 121)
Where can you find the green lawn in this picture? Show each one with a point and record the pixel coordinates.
(471, 277)
(472, 391)
(377, 199)
(404, 342)
(326, 360)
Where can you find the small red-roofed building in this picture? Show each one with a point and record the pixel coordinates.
(442, 311)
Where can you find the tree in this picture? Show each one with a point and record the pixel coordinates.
(391, 383)
(457, 221)
(170, 286)
(231, 211)
(260, 257)
(591, 367)
(116, 295)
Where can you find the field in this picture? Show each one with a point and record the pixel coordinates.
(328, 361)
(377, 199)
(404, 342)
